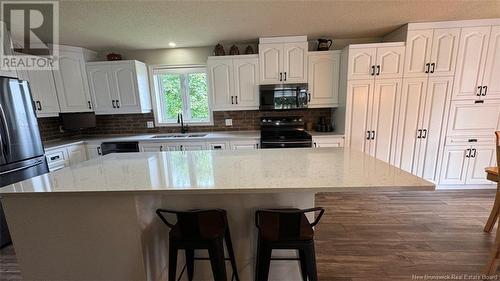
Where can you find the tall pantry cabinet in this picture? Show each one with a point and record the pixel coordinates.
(373, 82)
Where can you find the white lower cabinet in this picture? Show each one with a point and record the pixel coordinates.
(217, 145)
(469, 117)
(58, 158)
(93, 150)
(465, 164)
(328, 141)
(245, 144)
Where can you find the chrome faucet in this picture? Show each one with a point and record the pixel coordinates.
(180, 120)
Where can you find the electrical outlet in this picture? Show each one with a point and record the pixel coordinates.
(150, 124)
(229, 122)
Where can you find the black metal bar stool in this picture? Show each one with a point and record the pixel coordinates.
(199, 229)
(286, 229)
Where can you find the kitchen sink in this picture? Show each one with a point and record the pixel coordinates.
(182, 136)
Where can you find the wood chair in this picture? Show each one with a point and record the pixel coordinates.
(199, 229)
(493, 218)
(286, 229)
(492, 265)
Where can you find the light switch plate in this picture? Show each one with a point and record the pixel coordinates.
(150, 124)
(229, 122)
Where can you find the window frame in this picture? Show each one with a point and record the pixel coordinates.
(157, 98)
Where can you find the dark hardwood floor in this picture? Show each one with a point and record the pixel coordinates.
(389, 236)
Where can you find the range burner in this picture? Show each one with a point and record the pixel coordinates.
(283, 132)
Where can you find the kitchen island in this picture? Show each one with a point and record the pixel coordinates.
(96, 220)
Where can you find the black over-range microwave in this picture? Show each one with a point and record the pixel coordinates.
(283, 96)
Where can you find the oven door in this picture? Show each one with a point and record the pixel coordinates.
(285, 144)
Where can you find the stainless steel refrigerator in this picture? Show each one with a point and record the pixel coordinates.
(21, 149)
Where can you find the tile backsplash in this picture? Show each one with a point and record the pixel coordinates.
(136, 123)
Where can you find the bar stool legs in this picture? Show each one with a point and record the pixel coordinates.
(492, 219)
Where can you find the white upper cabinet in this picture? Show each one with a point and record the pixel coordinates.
(8, 50)
(361, 63)
(295, 62)
(234, 82)
(283, 60)
(71, 81)
(431, 52)
(471, 59)
(119, 87)
(491, 79)
(43, 90)
(323, 78)
(379, 61)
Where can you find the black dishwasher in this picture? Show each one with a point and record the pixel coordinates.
(119, 147)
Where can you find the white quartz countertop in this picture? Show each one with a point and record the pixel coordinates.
(227, 171)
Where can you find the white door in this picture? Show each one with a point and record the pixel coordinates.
(410, 122)
(323, 78)
(418, 52)
(100, 88)
(220, 73)
(469, 117)
(359, 96)
(72, 83)
(44, 92)
(491, 78)
(246, 83)
(471, 59)
(192, 146)
(361, 63)
(126, 92)
(295, 62)
(435, 112)
(76, 154)
(390, 62)
(444, 51)
(480, 158)
(454, 168)
(271, 63)
(384, 120)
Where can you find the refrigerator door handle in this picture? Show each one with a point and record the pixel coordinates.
(6, 145)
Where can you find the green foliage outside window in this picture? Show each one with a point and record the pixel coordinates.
(174, 87)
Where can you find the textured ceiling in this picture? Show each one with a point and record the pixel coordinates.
(153, 24)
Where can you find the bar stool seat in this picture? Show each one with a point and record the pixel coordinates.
(286, 229)
(199, 229)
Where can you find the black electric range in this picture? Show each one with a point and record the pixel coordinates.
(283, 132)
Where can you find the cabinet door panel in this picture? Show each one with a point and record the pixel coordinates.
(483, 157)
(323, 78)
(454, 170)
(244, 144)
(72, 83)
(76, 154)
(418, 52)
(436, 101)
(192, 146)
(391, 62)
(492, 69)
(295, 62)
(125, 87)
(220, 73)
(358, 113)
(384, 121)
(470, 62)
(360, 63)
(471, 118)
(246, 82)
(271, 63)
(410, 121)
(43, 89)
(444, 51)
(100, 88)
